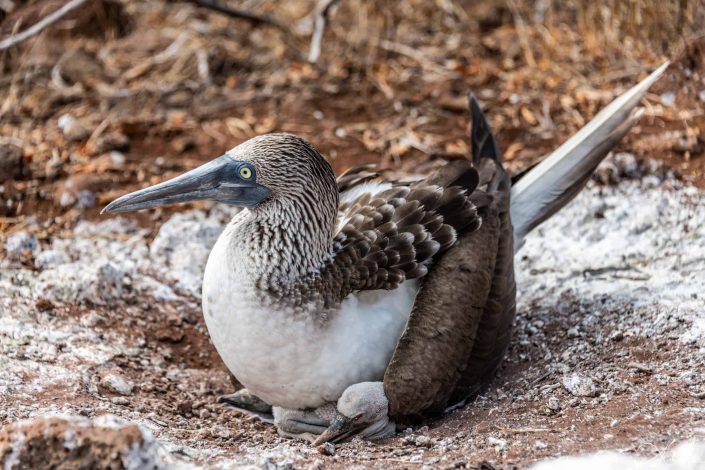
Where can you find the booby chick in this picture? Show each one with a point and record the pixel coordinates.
(309, 291)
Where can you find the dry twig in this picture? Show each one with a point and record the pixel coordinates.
(41, 25)
(253, 18)
(321, 11)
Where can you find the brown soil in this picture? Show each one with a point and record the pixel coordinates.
(394, 106)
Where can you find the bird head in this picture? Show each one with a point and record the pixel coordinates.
(266, 168)
(361, 410)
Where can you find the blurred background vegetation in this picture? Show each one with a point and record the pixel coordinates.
(118, 94)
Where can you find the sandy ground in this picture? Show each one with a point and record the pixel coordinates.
(608, 349)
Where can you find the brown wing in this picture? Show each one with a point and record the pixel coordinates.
(390, 236)
(495, 327)
(459, 328)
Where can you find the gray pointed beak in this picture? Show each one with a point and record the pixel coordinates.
(340, 429)
(218, 180)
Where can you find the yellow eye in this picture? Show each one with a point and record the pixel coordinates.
(245, 173)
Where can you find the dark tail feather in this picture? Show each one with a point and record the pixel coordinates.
(558, 178)
(481, 138)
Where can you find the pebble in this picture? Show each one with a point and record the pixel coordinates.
(117, 158)
(185, 408)
(617, 336)
(72, 128)
(77, 190)
(221, 432)
(668, 99)
(10, 161)
(500, 445)
(579, 385)
(117, 383)
(554, 404)
(21, 244)
(327, 448)
(50, 258)
(120, 401)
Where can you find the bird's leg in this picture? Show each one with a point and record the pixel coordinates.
(244, 400)
(303, 424)
(361, 411)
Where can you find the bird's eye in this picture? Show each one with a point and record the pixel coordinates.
(245, 173)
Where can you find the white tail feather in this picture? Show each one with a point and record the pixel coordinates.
(560, 176)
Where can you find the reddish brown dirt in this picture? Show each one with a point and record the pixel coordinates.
(356, 109)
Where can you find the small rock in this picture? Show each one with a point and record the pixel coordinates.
(573, 332)
(170, 335)
(327, 448)
(50, 258)
(21, 244)
(72, 128)
(579, 385)
(44, 305)
(117, 384)
(182, 247)
(554, 404)
(185, 408)
(423, 441)
(643, 368)
(701, 95)
(117, 158)
(11, 163)
(668, 99)
(617, 336)
(77, 190)
(76, 442)
(220, 432)
(500, 445)
(100, 283)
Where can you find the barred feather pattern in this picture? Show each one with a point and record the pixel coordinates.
(309, 257)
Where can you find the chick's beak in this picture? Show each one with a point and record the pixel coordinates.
(340, 429)
(218, 180)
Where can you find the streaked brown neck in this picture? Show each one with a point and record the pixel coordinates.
(282, 242)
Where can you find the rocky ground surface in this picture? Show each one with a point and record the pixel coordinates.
(104, 358)
(608, 349)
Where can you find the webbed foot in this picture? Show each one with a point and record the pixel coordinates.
(303, 424)
(245, 401)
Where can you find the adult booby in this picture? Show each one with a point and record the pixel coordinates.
(344, 303)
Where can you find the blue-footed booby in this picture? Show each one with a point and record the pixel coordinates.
(348, 303)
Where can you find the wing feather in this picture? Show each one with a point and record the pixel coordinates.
(390, 231)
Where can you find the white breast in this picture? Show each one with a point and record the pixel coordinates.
(296, 362)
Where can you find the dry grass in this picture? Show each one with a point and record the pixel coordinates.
(169, 79)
